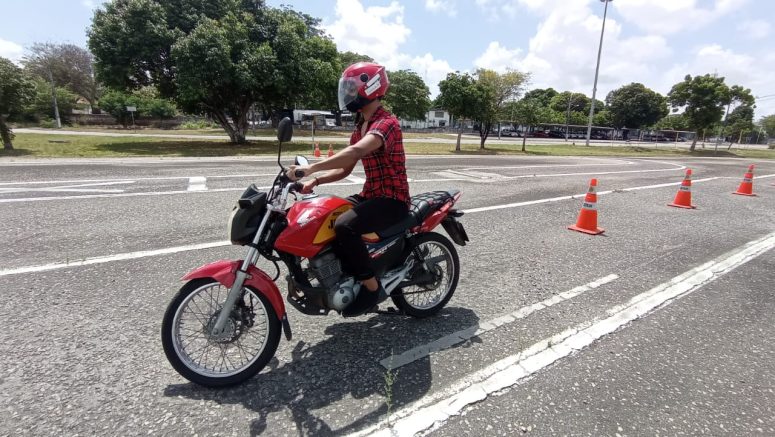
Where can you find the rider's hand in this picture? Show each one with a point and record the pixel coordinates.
(291, 173)
(309, 186)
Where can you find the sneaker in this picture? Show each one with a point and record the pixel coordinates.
(365, 301)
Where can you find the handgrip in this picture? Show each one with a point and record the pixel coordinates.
(299, 174)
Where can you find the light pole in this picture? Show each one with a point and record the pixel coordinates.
(597, 70)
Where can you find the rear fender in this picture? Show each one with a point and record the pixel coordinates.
(225, 272)
(434, 219)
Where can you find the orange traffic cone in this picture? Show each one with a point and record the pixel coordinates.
(330, 151)
(587, 221)
(317, 150)
(746, 187)
(683, 199)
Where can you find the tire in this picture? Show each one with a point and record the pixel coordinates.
(409, 303)
(175, 347)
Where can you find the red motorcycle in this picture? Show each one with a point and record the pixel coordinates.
(224, 324)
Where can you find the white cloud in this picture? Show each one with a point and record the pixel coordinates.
(379, 32)
(754, 29)
(750, 71)
(375, 31)
(673, 16)
(11, 50)
(446, 6)
(563, 51)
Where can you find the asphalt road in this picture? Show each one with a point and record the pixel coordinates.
(84, 296)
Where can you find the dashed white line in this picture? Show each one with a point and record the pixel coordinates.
(111, 258)
(432, 411)
(197, 183)
(395, 361)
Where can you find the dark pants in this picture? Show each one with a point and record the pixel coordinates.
(367, 215)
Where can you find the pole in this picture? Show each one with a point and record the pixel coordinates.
(721, 128)
(567, 117)
(54, 99)
(597, 70)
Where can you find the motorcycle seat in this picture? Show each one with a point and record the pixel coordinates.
(421, 207)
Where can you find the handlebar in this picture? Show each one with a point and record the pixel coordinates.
(299, 174)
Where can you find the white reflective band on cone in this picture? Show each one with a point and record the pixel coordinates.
(747, 180)
(685, 188)
(587, 205)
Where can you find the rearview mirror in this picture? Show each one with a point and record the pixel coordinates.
(285, 130)
(300, 160)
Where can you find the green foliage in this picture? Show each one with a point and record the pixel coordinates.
(482, 97)
(115, 102)
(408, 97)
(41, 106)
(197, 125)
(635, 106)
(16, 90)
(739, 123)
(218, 57)
(68, 65)
(672, 122)
(768, 124)
(542, 96)
(578, 102)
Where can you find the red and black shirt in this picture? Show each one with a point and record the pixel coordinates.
(385, 167)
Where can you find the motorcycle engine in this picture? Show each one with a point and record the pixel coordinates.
(327, 269)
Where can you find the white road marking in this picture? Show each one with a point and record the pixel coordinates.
(474, 210)
(197, 183)
(78, 188)
(557, 199)
(111, 258)
(161, 178)
(395, 361)
(432, 411)
(512, 167)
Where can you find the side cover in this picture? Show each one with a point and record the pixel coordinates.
(225, 271)
(311, 225)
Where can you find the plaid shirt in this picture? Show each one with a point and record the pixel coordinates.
(386, 166)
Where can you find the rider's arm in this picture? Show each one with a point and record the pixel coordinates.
(334, 175)
(349, 157)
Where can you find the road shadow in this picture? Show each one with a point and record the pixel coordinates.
(344, 364)
(14, 152)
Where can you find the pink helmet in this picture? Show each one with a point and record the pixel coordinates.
(361, 84)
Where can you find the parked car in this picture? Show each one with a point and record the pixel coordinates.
(540, 134)
(511, 133)
(556, 134)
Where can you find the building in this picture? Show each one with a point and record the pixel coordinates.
(435, 118)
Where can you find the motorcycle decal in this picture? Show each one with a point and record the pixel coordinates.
(326, 232)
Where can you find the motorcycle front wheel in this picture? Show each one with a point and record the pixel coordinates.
(247, 343)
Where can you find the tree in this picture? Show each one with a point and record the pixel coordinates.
(15, 91)
(39, 107)
(739, 122)
(70, 67)
(672, 122)
(458, 95)
(145, 100)
(526, 112)
(635, 106)
(577, 102)
(541, 96)
(493, 91)
(220, 57)
(768, 124)
(703, 99)
(409, 96)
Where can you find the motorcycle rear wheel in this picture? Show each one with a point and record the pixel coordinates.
(427, 300)
(250, 339)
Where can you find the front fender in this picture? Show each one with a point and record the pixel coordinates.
(225, 272)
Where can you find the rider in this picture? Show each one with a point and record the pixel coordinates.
(384, 200)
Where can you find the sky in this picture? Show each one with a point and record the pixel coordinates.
(654, 42)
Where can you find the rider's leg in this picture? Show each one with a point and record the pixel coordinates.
(366, 216)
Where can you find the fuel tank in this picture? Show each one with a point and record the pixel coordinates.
(311, 225)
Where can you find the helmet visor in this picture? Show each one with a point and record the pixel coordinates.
(348, 91)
